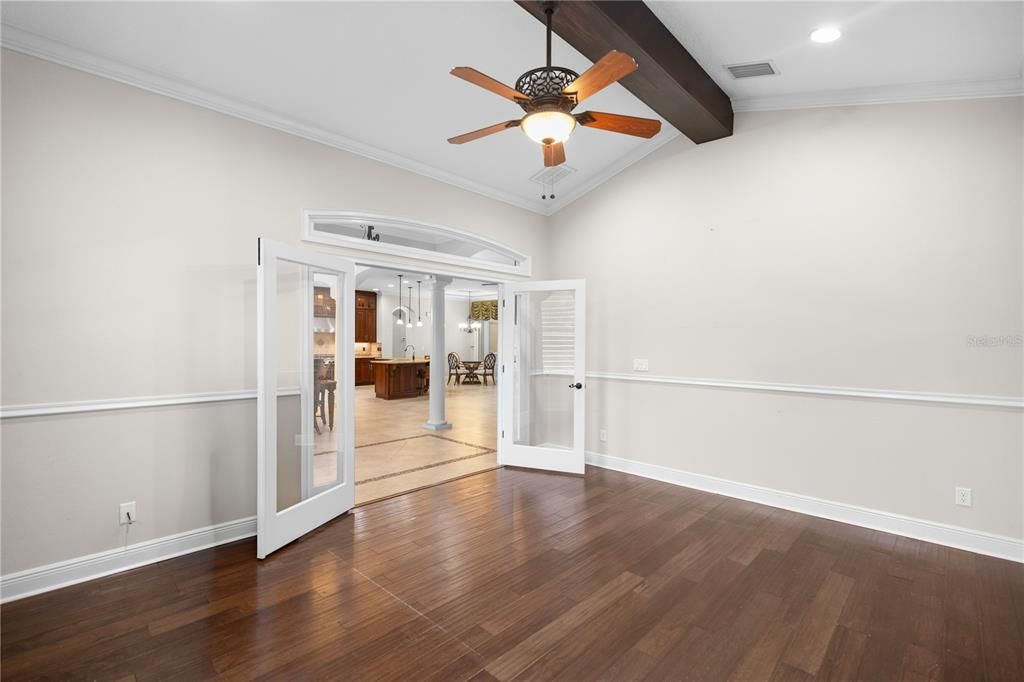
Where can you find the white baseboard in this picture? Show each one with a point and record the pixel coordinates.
(919, 529)
(63, 573)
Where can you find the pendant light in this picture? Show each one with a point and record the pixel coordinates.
(399, 320)
(408, 319)
(419, 309)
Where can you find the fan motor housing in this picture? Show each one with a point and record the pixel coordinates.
(544, 88)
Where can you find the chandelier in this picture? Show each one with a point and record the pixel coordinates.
(469, 325)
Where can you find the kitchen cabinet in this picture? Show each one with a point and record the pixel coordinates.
(366, 317)
(323, 304)
(366, 300)
(364, 372)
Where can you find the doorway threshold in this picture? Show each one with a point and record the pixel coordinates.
(425, 486)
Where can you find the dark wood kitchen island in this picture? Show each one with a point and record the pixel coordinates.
(399, 378)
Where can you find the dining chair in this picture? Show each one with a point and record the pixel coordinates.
(490, 360)
(455, 368)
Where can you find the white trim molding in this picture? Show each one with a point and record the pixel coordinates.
(390, 254)
(79, 406)
(887, 94)
(929, 531)
(63, 573)
(667, 134)
(1013, 402)
(26, 42)
(34, 45)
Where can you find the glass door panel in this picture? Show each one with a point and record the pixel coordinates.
(328, 401)
(544, 403)
(291, 374)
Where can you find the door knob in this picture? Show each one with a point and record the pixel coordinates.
(577, 385)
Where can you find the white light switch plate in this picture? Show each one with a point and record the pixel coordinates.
(640, 365)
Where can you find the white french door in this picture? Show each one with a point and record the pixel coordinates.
(543, 396)
(305, 410)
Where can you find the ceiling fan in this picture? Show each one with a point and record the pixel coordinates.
(549, 94)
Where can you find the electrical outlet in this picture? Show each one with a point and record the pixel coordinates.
(640, 365)
(964, 497)
(126, 513)
(603, 435)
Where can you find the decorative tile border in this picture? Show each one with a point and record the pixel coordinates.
(484, 451)
(422, 435)
(425, 466)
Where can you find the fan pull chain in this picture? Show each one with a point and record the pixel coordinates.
(549, 192)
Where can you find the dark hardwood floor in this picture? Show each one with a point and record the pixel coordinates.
(522, 575)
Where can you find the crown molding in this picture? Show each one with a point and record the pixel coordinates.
(887, 94)
(667, 135)
(25, 42)
(34, 45)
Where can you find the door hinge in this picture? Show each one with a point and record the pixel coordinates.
(503, 433)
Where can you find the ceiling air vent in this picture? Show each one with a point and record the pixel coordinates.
(752, 69)
(552, 174)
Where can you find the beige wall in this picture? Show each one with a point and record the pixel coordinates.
(849, 247)
(130, 222)
(843, 247)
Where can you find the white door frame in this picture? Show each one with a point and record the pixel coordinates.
(277, 528)
(383, 255)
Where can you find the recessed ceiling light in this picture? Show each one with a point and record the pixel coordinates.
(392, 286)
(826, 34)
(376, 289)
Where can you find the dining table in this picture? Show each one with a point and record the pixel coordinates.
(471, 366)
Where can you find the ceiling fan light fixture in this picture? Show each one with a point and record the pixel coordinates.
(548, 127)
(548, 94)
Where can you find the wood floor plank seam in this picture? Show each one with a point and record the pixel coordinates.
(415, 610)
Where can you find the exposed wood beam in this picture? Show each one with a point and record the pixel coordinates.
(669, 80)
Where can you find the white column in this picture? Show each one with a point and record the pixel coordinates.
(485, 344)
(438, 356)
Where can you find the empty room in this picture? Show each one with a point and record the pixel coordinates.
(512, 340)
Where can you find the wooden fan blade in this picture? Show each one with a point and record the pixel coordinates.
(487, 83)
(617, 123)
(607, 70)
(483, 132)
(554, 154)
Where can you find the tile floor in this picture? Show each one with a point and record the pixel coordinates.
(395, 454)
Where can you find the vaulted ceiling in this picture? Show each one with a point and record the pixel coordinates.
(373, 77)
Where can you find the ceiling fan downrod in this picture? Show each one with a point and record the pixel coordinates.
(549, 11)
